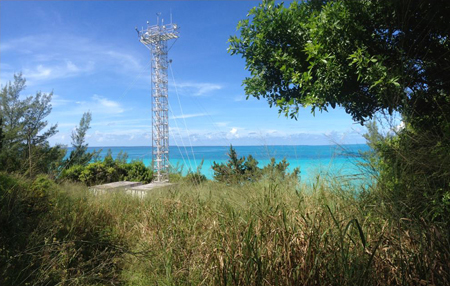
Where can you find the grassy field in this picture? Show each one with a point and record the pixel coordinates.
(266, 233)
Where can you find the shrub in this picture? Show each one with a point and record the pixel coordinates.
(240, 170)
(108, 171)
(73, 173)
(100, 173)
(236, 170)
(195, 178)
(412, 173)
(137, 171)
(280, 170)
(41, 185)
(62, 238)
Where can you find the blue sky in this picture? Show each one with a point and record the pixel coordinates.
(88, 53)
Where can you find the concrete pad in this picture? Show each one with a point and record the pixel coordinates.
(151, 186)
(122, 185)
(142, 190)
(132, 188)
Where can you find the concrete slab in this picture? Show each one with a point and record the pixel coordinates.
(142, 190)
(132, 188)
(151, 186)
(122, 185)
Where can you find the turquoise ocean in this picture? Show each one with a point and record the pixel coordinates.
(333, 160)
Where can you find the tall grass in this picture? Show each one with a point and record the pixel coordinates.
(267, 233)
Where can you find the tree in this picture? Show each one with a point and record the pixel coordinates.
(23, 125)
(236, 170)
(1, 133)
(12, 112)
(79, 154)
(38, 108)
(368, 57)
(241, 170)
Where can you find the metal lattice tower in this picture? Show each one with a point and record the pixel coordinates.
(155, 38)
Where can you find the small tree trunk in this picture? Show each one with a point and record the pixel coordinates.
(29, 156)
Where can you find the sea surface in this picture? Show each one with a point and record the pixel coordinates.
(312, 160)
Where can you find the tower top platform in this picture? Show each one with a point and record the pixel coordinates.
(157, 33)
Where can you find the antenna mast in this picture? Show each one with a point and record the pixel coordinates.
(155, 38)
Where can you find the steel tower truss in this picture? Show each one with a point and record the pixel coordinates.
(155, 38)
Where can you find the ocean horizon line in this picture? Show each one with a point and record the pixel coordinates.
(188, 146)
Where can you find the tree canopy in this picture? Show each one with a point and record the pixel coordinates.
(366, 56)
(24, 133)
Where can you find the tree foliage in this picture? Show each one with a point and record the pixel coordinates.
(1, 133)
(79, 154)
(366, 56)
(109, 170)
(33, 124)
(24, 133)
(238, 170)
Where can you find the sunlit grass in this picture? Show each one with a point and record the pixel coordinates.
(266, 233)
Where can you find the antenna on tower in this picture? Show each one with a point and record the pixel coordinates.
(157, 18)
(155, 38)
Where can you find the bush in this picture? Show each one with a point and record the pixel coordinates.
(413, 173)
(23, 206)
(73, 173)
(280, 170)
(240, 170)
(236, 170)
(195, 178)
(61, 237)
(41, 185)
(137, 171)
(107, 171)
(100, 173)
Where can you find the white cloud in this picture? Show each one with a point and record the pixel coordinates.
(188, 116)
(197, 89)
(46, 57)
(222, 124)
(233, 133)
(240, 98)
(97, 105)
(39, 72)
(55, 71)
(124, 59)
(57, 101)
(106, 103)
(71, 67)
(135, 136)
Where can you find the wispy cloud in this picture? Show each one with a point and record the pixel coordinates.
(198, 89)
(48, 57)
(240, 98)
(97, 105)
(222, 124)
(233, 133)
(109, 104)
(184, 116)
(56, 71)
(57, 101)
